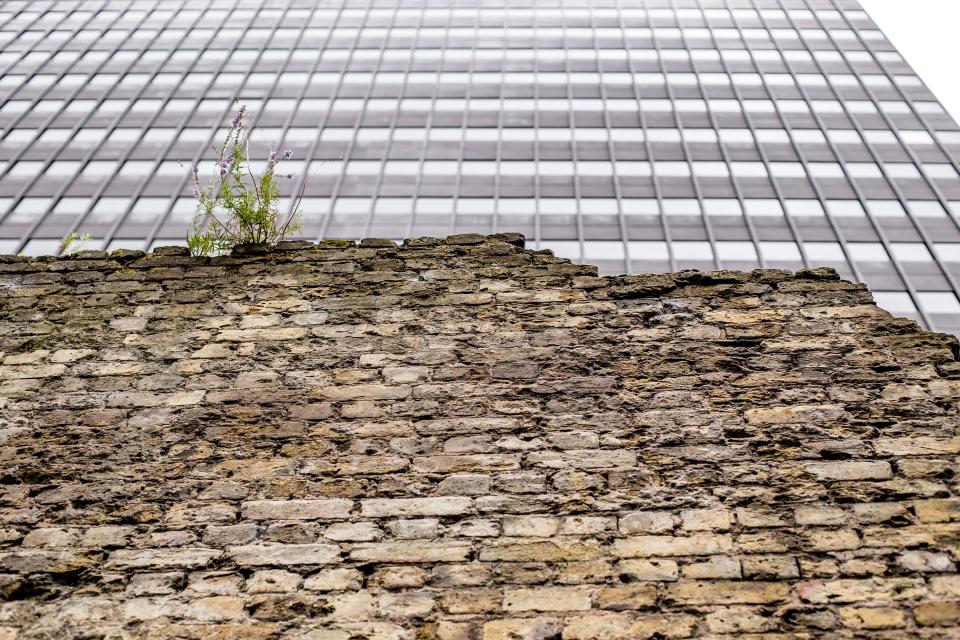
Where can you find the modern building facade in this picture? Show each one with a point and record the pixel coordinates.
(638, 136)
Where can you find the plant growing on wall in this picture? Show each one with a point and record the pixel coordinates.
(74, 242)
(238, 207)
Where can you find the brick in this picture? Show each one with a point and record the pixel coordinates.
(851, 591)
(549, 551)
(653, 570)
(916, 446)
(406, 606)
(256, 335)
(770, 567)
(706, 520)
(850, 470)
(472, 601)
(411, 552)
(521, 629)
(284, 554)
(626, 598)
(548, 599)
(830, 540)
(937, 510)
(694, 545)
(161, 558)
(588, 459)
(296, 509)
(406, 507)
(937, 614)
(334, 580)
(527, 526)
(819, 515)
(273, 581)
(647, 522)
(467, 463)
(621, 626)
(796, 414)
(716, 568)
(719, 592)
(363, 392)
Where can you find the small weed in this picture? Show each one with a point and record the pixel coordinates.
(238, 207)
(74, 242)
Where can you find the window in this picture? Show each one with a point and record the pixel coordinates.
(692, 251)
(108, 209)
(641, 207)
(681, 207)
(736, 136)
(147, 210)
(808, 136)
(886, 209)
(902, 170)
(805, 208)
(896, 302)
(600, 250)
(926, 209)
(599, 206)
(29, 209)
(917, 137)
(880, 137)
(823, 252)
(748, 169)
(910, 252)
(722, 207)
(868, 252)
(825, 170)
(940, 171)
(787, 170)
(736, 251)
(846, 208)
(672, 169)
(939, 302)
(947, 251)
(763, 207)
(650, 250)
(25, 169)
(63, 168)
(864, 170)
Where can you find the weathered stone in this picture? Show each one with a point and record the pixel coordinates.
(548, 599)
(296, 509)
(284, 554)
(695, 545)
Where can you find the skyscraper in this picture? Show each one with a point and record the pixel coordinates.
(639, 136)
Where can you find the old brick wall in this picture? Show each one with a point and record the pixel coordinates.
(464, 440)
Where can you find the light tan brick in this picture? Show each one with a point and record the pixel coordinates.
(694, 545)
(547, 599)
(726, 592)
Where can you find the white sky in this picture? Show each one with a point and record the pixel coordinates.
(926, 33)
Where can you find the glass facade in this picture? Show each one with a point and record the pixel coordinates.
(638, 136)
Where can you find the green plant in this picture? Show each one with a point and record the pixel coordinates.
(238, 207)
(74, 242)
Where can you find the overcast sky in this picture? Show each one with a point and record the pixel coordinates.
(927, 33)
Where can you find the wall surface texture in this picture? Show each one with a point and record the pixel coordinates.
(462, 440)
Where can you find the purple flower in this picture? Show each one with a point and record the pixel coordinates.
(288, 154)
(237, 119)
(289, 176)
(223, 169)
(273, 156)
(196, 170)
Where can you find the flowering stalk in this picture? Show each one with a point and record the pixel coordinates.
(237, 207)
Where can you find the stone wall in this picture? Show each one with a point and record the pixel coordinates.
(462, 440)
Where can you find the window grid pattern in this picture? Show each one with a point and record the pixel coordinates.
(640, 137)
